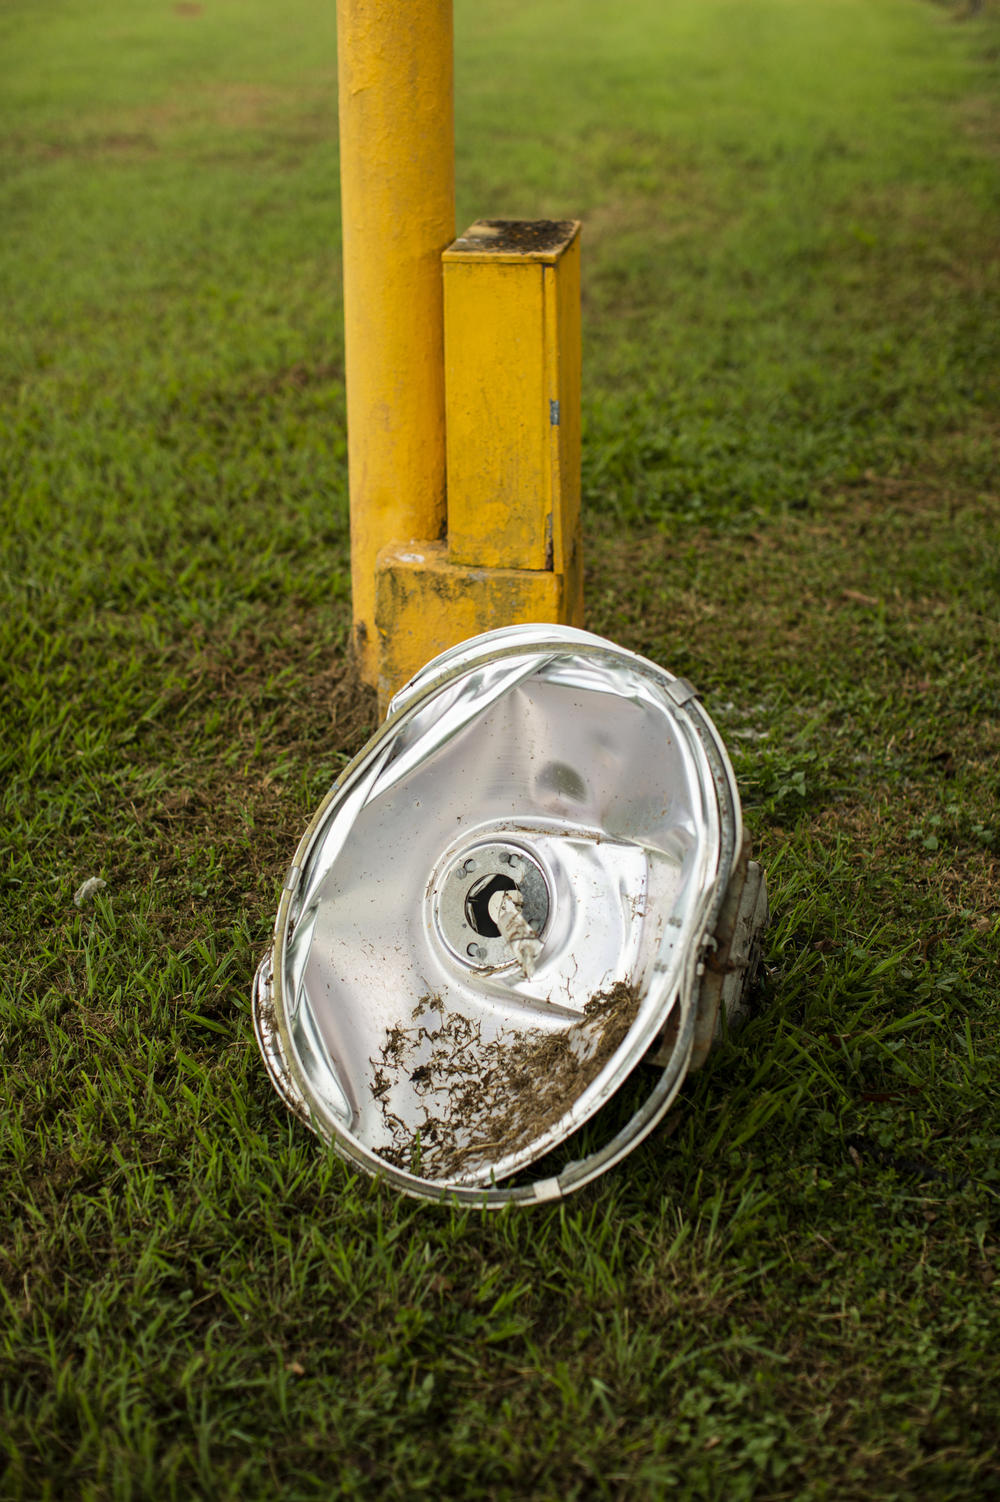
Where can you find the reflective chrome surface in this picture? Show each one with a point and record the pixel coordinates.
(498, 911)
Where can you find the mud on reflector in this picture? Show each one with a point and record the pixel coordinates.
(530, 882)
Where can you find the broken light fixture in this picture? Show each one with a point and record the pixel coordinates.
(531, 882)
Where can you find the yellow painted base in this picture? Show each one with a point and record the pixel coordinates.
(425, 604)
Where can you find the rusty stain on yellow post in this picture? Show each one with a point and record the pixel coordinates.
(397, 194)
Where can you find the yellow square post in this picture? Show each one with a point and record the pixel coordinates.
(512, 425)
(512, 393)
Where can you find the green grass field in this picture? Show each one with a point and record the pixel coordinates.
(792, 391)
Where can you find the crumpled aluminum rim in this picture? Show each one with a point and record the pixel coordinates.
(290, 1073)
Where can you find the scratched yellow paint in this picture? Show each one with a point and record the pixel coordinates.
(425, 603)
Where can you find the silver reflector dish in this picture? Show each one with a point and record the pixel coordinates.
(499, 911)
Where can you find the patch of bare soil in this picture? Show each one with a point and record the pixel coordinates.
(352, 708)
(793, 589)
(880, 845)
(240, 789)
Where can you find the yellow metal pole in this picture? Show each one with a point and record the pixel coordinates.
(397, 185)
(512, 393)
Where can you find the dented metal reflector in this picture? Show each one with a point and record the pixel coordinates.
(501, 909)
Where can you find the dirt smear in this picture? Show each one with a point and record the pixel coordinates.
(485, 1100)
